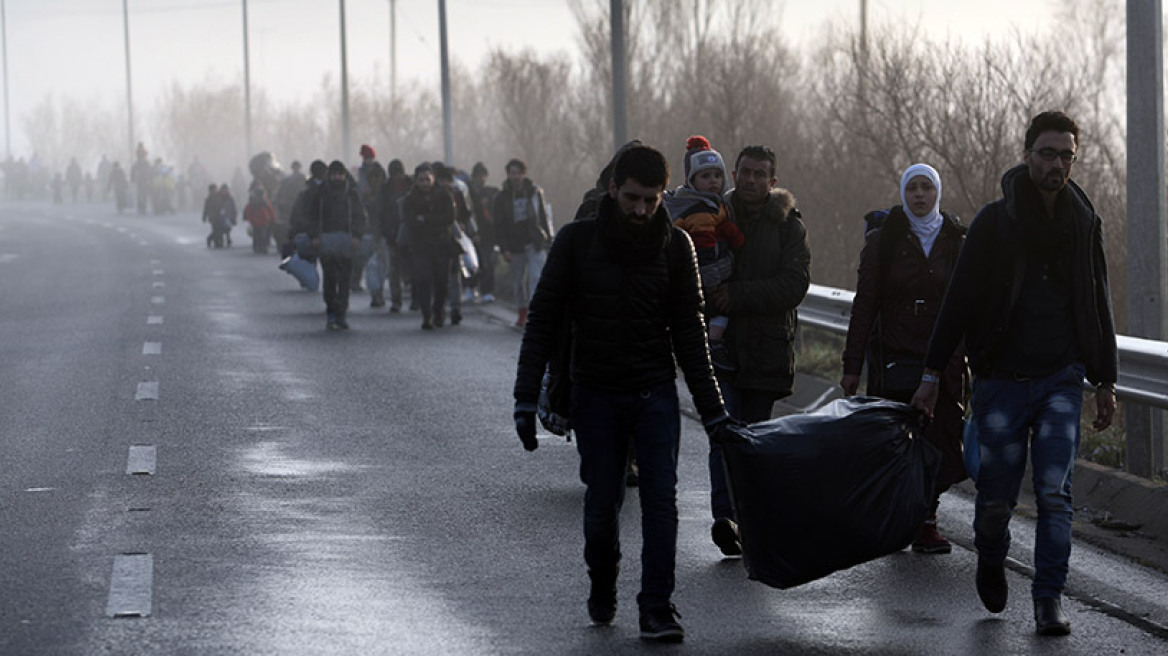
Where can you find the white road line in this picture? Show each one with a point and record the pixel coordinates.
(154, 320)
(147, 391)
(158, 284)
(155, 262)
(143, 459)
(158, 300)
(152, 348)
(158, 272)
(131, 586)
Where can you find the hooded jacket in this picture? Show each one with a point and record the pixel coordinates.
(772, 272)
(335, 209)
(634, 306)
(990, 271)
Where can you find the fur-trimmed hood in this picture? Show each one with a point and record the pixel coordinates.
(779, 205)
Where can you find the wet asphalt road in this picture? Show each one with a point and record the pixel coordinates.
(363, 492)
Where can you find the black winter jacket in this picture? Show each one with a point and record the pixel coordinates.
(632, 310)
(772, 272)
(427, 217)
(987, 281)
(335, 210)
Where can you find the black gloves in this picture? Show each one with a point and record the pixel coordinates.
(716, 427)
(525, 427)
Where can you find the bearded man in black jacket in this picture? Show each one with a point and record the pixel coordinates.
(628, 282)
(1029, 296)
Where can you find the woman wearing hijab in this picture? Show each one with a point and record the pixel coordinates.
(904, 271)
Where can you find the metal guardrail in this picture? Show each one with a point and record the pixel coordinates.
(1143, 363)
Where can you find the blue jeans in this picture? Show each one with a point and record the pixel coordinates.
(747, 405)
(605, 422)
(1042, 415)
(526, 268)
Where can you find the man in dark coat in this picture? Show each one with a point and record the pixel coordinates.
(428, 214)
(335, 208)
(523, 230)
(772, 272)
(1030, 298)
(629, 283)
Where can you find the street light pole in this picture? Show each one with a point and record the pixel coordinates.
(392, 53)
(620, 123)
(7, 119)
(447, 122)
(246, 87)
(129, 92)
(344, 89)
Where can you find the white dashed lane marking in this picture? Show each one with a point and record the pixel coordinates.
(143, 459)
(147, 391)
(158, 300)
(158, 284)
(154, 320)
(152, 348)
(131, 586)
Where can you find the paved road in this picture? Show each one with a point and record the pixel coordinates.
(306, 492)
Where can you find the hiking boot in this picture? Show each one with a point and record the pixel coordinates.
(720, 356)
(660, 623)
(929, 541)
(991, 586)
(455, 317)
(602, 597)
(725, 534)
(1049, 618)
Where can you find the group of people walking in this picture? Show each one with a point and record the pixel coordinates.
(433, 234)
(1015, 308)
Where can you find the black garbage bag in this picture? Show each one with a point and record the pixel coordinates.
(819, 492)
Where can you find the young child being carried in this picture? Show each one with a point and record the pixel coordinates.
(699, 208)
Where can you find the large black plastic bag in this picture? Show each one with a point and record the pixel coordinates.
(819, 492)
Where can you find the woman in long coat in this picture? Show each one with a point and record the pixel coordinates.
(904, 270)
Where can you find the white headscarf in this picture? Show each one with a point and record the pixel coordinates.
(924, 227)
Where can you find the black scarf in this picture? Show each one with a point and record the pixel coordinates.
(631, 243)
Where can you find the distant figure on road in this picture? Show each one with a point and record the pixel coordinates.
(120, 187)
(228, 211)
(427, 213)
(260, 215)
(482, 197)
(286, 193)
(213, 215)
(335, 212)
(1030, 298)
(904, 270)
(524, 231)
(771, 274)
(74, 178)
(628, 282)
(142, 176)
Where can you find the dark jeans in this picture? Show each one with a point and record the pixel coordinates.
(430, 272)
(1010, 417)
(605, 422)
(335, 274)
(486, 277)
(396, 263)
(746, 405)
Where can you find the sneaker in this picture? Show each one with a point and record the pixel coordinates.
(1049, 618)
(439, 319)
(660, 623)
(929, 541)
(427, 324)
(395, 308)
(992, 587)
(377, 300)
(342, 322)
(602, 597)
(720, 356)
(331, 322)
(487, 298)
(455, 317)
(725, 535)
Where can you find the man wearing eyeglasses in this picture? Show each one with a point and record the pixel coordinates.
(1030, 298)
